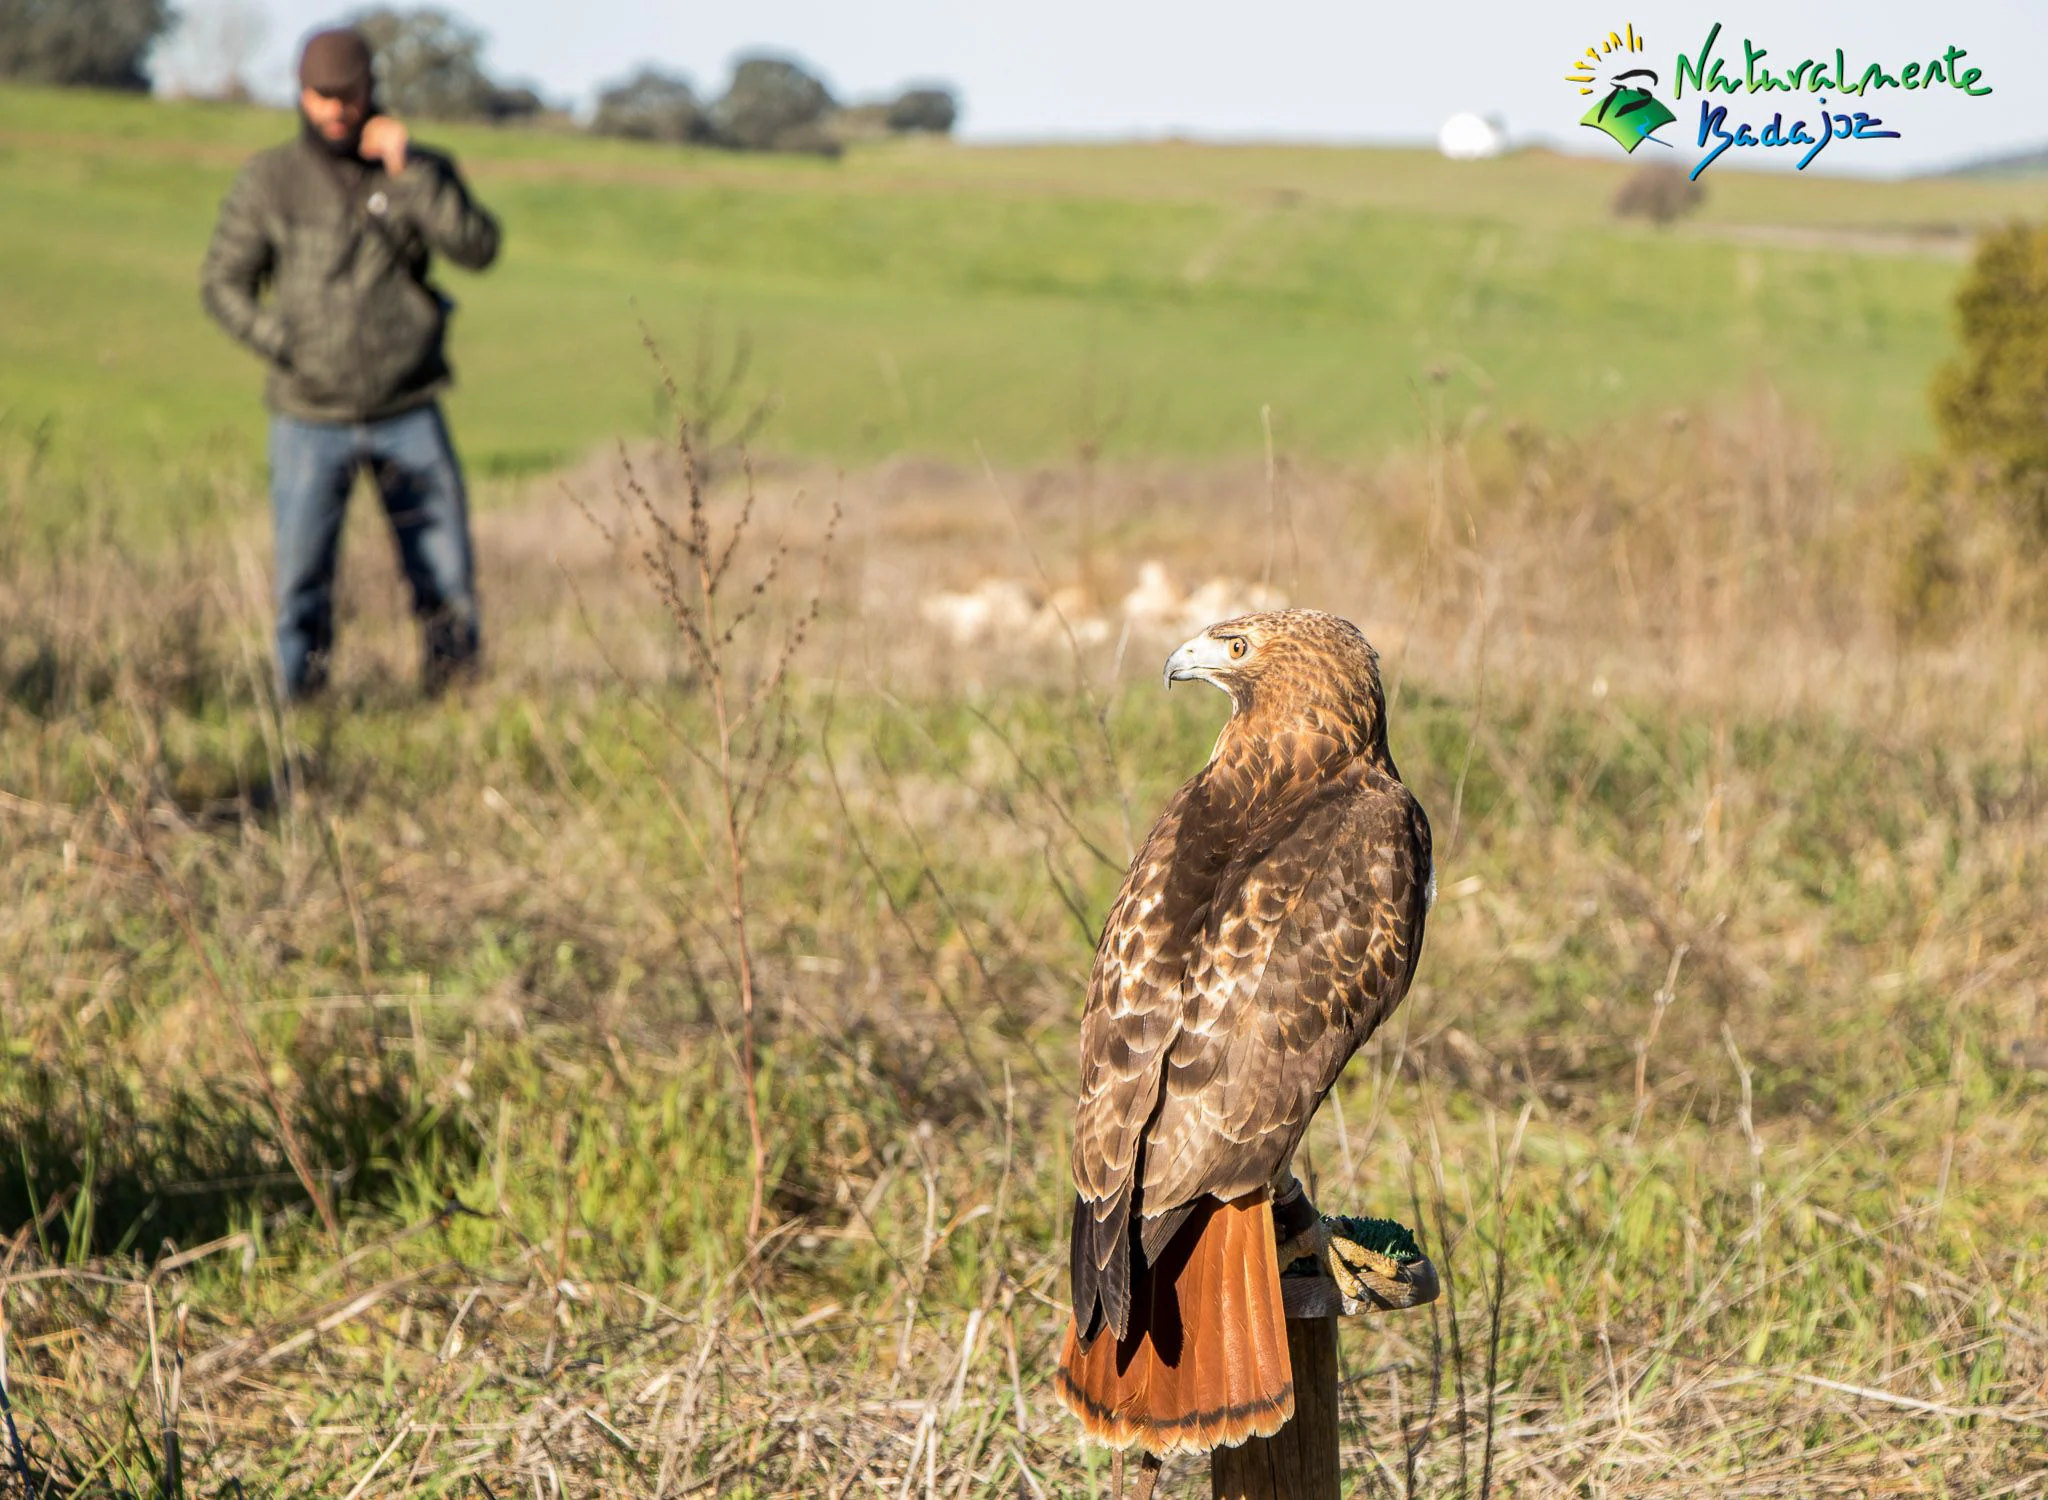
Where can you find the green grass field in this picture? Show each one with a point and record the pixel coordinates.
(928, 298)
(1718, 1100)
(1725, 1055)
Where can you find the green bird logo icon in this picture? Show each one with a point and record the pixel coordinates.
(1628, 113)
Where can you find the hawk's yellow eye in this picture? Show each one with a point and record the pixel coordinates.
(1238, 648)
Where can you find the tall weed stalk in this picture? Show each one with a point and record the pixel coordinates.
(740, 657)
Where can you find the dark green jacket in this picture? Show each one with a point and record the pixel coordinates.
(352, 329)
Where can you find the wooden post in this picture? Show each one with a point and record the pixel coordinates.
(1299, 1462)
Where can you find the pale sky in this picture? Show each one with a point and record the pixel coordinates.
(1308, 70)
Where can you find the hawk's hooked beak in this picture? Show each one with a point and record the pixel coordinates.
(1198, 660)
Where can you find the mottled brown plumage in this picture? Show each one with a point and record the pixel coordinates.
(1270, 923)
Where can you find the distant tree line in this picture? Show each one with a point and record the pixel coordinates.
(91, 43)
(430, 66)
(772, 104)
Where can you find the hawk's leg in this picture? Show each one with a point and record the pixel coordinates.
(1296, 1224)
(1149, 1465)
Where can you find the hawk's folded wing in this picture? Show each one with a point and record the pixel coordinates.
(1298, 967)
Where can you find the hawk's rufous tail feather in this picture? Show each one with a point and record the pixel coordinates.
(1204, 1364)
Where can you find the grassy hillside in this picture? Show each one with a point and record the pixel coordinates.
(926, 297)
(1718, 1099)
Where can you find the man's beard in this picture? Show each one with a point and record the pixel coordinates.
(345, 149)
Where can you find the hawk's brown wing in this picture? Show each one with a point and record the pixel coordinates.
(1132, 1012)
(1233, 981)
(1298, 967)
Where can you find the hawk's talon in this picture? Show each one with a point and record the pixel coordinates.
(1368, 1279)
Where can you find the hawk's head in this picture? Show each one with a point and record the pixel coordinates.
(1288, 664)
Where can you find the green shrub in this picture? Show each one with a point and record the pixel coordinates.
(430, 65)
(773, 104)
(651, 106)
(1991, 403)
(929, 111)
(1660, 192)
(89, 43)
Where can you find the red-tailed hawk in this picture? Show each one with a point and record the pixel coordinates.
(1270, 923)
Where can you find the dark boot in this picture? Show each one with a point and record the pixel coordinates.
(312, 679)
(451, 649)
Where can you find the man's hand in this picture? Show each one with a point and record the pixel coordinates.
(384, 139)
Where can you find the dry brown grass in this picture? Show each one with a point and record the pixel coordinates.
(1726, 1057)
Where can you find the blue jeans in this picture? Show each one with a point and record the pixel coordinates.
(313, 465)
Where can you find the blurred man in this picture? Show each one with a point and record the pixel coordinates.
(338, 226)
